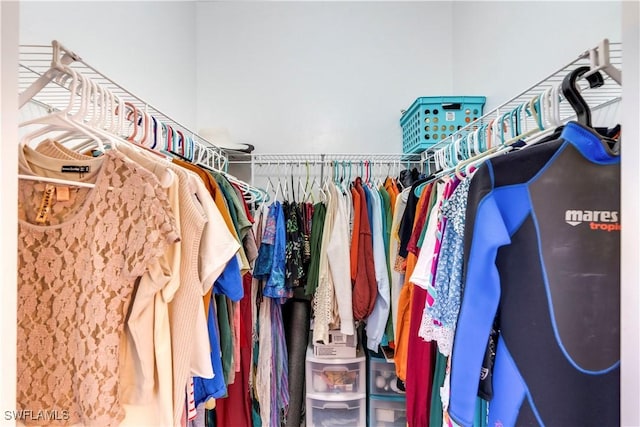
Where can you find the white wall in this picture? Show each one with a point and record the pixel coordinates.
(502, 48)
(9, 203)
(630, 238)
(147, 47)
(319, 76)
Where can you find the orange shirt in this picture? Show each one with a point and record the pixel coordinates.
(403, 322)
(392, 189)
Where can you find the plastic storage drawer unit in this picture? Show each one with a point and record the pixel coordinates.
(382, 378)
(387, 412)
(336, 376)
(322, 412)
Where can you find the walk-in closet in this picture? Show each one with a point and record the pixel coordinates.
(320, 213)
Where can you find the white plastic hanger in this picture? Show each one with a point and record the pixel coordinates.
(61, 120)
(57, 181)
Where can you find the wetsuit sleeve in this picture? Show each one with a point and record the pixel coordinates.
(479, 305)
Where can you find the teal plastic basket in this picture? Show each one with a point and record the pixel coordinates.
(430, 119)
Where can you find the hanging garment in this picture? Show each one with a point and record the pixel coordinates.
(365, 287)
(294, 271)
(275, 286)
(296, 315)
(222, 203)
(387, 216)
(241, 221)
(404, 299)
(259, 378)
(60, 303)
(236, 408)
(214, 233)
(215, 387)
(355, 233)
(226, 340)
(307, 212)
(377, 320)
(397, 274)
(324, 304)
(421, 355)
(224, 196)
(392, 188)
(226, 285)
(317, 228)
(439, 319)
(145, 355)
(188, 325)
(338, 261)
(264, 262)
(249, 241)
(145, 375)
(436, 414)
(570, 306)
(408, 221)
(264, 363)
(279, 398)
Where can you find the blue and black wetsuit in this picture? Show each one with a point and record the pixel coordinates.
(545, 258)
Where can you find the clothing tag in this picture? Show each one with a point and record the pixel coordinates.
(45, 204)
(75, 169)
(62, 194)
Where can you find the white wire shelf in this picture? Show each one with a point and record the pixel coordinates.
(599, 99)
(36, 60)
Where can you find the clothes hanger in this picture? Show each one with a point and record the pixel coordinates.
(380, 176)
(346, 179)
(189, 146)
(87, 117)
(275, 187)
(308, 188)
(271, 186)
(61, 121)
(64, 182)
(280, 187)
(365, 172)
(113, 137)
(508, 144)
(65, 115)
(458, 153)
(572, 94)
(301, 186)
(555, 106)
(98, 126)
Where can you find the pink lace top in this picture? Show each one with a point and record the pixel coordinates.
(77, 268)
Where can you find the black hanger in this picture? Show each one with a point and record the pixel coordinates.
(571, 93)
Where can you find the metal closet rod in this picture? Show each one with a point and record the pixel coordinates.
(286, 158)
(326, 160)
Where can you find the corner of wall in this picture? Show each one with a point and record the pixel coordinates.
(9, 201)
(630, 206)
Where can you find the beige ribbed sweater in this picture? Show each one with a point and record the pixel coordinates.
(206, 256)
